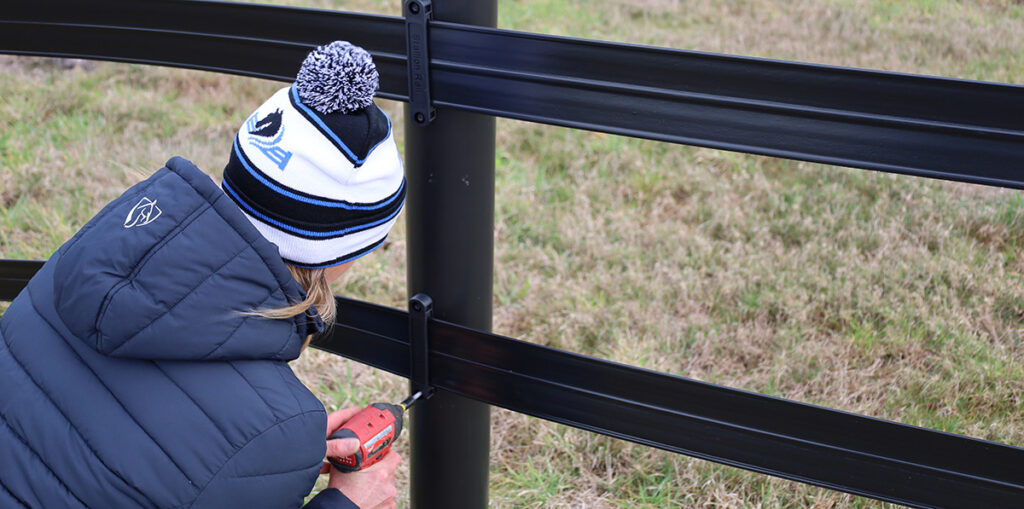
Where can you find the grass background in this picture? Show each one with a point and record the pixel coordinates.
(891, 296)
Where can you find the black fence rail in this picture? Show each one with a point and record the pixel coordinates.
(927, 126)
(934, 127)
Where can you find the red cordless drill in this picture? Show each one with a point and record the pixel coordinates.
(376, 426)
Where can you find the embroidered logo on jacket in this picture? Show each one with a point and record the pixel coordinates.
(266, 134)
(142, 213)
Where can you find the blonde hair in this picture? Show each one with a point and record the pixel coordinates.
(318, 295)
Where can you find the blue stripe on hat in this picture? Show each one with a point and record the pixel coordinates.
(299, 231)
(341, 259)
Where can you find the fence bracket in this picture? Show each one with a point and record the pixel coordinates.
(421, 310)
(417, 17)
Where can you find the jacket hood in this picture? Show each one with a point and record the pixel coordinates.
(168, 270)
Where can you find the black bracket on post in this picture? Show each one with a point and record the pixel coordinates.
(421, 309)
(417, 17)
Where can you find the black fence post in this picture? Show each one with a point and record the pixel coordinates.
(450, 223)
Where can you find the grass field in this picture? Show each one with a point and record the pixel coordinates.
(891, 296)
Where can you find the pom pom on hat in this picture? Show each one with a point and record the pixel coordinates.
(337, 77)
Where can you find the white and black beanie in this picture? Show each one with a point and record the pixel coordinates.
(316, 168)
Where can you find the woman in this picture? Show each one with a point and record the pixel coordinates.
(146, 363)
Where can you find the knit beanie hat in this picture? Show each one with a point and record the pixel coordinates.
(316, 168)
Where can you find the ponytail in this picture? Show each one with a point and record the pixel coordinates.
(318, 295)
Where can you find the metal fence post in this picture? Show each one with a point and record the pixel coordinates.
(450, 223)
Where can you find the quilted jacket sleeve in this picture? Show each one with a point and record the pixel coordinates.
(276, 469)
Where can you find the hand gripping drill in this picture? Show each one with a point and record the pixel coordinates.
(376, 426)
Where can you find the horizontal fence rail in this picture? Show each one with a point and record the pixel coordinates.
(927, 126)
(837, 450)
(14, 275)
